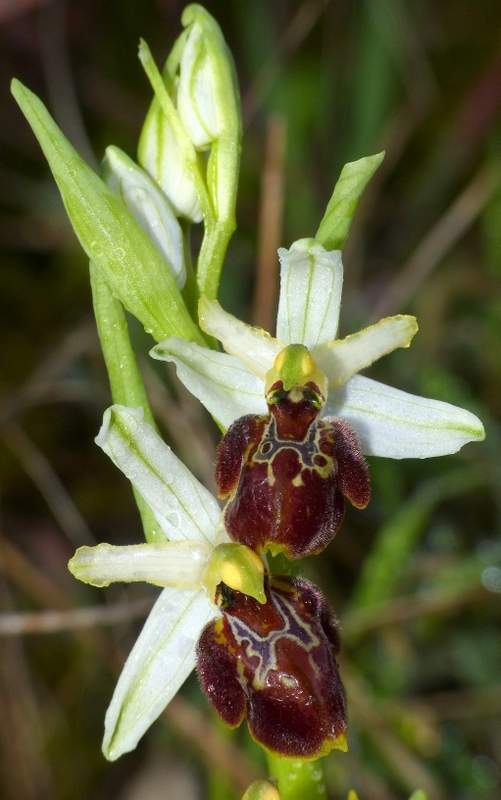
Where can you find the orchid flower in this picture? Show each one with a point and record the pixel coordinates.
(388, 421)
(194, 557)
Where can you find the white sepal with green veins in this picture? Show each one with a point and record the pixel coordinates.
(157, 667)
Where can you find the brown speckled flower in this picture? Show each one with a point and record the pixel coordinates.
(275, 664)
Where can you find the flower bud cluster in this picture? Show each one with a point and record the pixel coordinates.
(191, 134)
(189, 145)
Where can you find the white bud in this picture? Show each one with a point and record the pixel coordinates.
(149, 206)
(160, 155)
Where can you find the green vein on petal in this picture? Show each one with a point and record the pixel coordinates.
(254, 346)
(160, 662)
(225, 386)
(311, 281)
(396, 424)
(179, 563)
(183, 507)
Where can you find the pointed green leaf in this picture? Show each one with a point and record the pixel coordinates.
(335, 226)
(109, 234)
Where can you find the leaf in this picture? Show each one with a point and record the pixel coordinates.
(111, 237)
(335, 225)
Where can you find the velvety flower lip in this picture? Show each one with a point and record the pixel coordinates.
(286, 475)
(276, 665)
(388, 421)
(190, 556)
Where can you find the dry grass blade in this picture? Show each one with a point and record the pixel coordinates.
(270, 226)
(21, 624)
(440, 239)
(50, 487)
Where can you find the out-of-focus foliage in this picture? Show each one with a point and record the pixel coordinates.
(416, 578)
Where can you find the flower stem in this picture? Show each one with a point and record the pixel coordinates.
(297, 779)
(126, 383)
(211, 256)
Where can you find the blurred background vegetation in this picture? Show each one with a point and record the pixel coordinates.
(416, 578)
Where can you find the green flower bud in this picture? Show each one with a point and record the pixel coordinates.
(209, 105)
(160, 154)
(206, 87)
(148, 205)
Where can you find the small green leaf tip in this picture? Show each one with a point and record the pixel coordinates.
(335, 226)
(418, 795)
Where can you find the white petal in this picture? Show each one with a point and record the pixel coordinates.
(311, 280)
(221, 382)
(183, 507)
(160, 662)
(342, 358)
(179, 564)
(254, 346)
(396, 424)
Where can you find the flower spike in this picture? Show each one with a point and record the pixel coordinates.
(191, 558)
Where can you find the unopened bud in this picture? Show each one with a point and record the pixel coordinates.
(206, 86)
(161, 156)
(262, 790)
(149, 205)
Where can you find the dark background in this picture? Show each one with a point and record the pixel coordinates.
(416, 577)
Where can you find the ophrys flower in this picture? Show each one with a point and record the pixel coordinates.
(388, 422)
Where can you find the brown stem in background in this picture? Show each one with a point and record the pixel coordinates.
(270, 226)
(50, 487)
(36, 622)
(439, 240)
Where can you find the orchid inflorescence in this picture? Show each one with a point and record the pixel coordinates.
(297, 416)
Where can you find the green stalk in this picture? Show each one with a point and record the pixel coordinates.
(127, 387)
(211, 257)
(297, 779)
